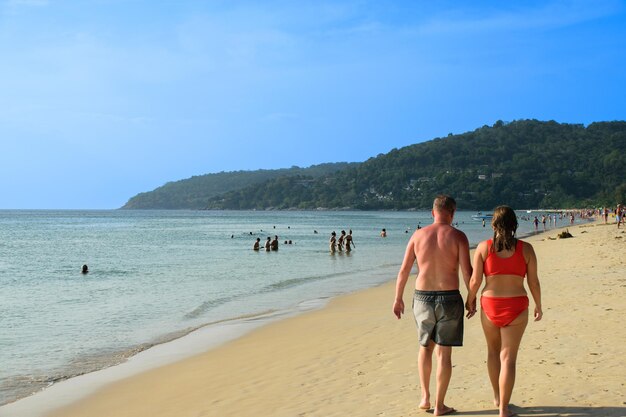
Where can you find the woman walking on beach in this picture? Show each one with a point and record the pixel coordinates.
(505, 261)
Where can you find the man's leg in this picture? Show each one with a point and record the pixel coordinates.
(425, 366)
(444, 372)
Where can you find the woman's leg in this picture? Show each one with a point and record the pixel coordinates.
(492, 335)
(511, 338)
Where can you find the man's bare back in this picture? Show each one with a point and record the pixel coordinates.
(437, 248)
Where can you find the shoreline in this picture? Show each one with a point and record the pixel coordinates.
(215, 335)
(97, 330)
(192, 343)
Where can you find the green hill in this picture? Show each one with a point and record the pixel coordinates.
(525, 163)
(195, 192)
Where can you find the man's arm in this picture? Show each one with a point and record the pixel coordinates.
(475, 281)
(464, 260)
(403, 276)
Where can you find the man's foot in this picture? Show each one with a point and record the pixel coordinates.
(444, 411)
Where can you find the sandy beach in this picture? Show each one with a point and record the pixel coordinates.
(354, 358)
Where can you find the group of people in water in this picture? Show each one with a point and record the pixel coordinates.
(345, 241)
(270, 244)
(504, 262)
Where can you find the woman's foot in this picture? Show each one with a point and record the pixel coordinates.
(505, 412)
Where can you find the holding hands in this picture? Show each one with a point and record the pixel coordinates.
(470, 306)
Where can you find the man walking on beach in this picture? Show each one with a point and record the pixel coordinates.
(439, 249)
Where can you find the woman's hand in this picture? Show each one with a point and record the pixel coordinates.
(470, 306)
(538, 313)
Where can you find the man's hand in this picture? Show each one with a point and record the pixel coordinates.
(398, 308)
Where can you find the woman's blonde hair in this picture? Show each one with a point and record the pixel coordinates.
(504, 225)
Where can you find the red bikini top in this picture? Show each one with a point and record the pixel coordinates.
(513, 265)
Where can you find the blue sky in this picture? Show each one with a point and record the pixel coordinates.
(103, 99)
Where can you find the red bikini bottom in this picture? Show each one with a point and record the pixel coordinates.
(501, 311)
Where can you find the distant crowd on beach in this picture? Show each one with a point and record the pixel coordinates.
(603, 213)
(618, 214)
(555, 218)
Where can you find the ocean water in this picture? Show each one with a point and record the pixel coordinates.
(156, 275)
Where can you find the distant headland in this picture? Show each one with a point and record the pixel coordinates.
(524, 163)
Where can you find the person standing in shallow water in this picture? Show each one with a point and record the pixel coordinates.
(341, 240)
(349, 241)
(439, 249)
(504, 261)
(333, 242)
(257, 244)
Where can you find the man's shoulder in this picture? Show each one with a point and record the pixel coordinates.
(460, 233)
(424, 231)
(456, 234)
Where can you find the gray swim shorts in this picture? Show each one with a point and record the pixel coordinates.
(439, 317)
